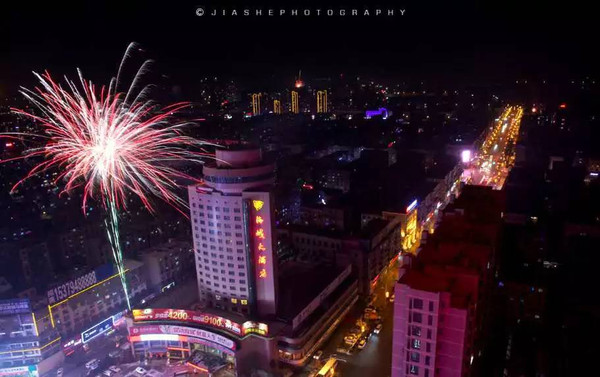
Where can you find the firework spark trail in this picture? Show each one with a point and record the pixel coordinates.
(109, 145)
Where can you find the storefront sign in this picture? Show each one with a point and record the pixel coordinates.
(188, 316)
(96, 330)
(16, 306)
(181, 331)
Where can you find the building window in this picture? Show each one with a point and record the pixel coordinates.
(427, 360)
(430, 321)
(416, 344)
(414, 356)
(414, 369)
(430, 306)
(417, 317)
(417, 303)
(416, 331)
(428, 334)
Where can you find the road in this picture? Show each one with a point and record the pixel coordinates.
(375, 359)
(496, 156)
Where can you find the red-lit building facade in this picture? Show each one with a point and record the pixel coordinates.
(441, 300)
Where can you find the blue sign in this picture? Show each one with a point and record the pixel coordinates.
(96, 330)
(16, 306)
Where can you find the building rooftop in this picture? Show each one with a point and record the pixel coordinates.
(458, 255)
(314, 278)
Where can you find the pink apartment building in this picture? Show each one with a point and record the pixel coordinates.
(440, 305)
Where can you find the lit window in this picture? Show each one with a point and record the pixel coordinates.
(416, 344)
(262, 273)
(262, 259)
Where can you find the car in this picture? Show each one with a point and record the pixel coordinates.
(115, 369)
(318, 354)
(378, 328)
(350, 339)
(92, 364)
(115, 354)
(140, 371)
(362, 343)
(60, 372)
(107, 373)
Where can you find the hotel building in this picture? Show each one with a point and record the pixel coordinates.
(231, 214)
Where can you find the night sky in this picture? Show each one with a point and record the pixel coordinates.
(441, 40)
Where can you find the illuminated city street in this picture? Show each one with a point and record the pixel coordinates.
(492, 162)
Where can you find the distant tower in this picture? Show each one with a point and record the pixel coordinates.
(322, 101)
(256, 103)
(295, 107)
(276, 106)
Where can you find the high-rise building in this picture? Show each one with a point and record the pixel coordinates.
(276, 106)
(442, 300)
(322, 101)
(28, 346)
(231, 215)
(295, 104)
(256, 103)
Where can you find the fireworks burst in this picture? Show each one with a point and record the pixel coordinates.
(110, 144)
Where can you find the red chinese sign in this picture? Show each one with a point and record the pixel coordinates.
(259, 233)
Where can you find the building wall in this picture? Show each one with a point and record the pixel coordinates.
(429, 335)
(79, 312)
(219, 245)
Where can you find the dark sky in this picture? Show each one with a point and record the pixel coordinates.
(435, 40)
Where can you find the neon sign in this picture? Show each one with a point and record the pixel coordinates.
(257, 204)
(261, 258)
(200, 318)
(187, 316)
(411, 206)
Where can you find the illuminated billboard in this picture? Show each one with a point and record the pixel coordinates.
(71, 287)
(15, 306)
(261, 251)
(188, 316)
(200, 318)
(177, 333)
(23, 371)
(465, 156)
(96, 330)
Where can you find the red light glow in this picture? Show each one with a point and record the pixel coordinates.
(563, 105)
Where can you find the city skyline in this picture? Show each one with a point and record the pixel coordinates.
(318, 189)
(449, 43)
